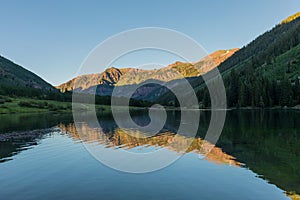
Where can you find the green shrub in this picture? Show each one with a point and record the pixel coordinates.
(32, 104)
(5, 99)
(25, 104)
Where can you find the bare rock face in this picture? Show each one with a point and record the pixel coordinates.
(109, 77)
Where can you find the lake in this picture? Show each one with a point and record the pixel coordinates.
(42, 156)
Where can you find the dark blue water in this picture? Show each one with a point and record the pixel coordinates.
(256, 159)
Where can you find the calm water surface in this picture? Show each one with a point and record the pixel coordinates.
(257, 157)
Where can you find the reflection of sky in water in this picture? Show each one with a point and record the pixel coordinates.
(57, 165)
(60, 167)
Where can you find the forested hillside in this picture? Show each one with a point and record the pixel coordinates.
(18, 82)
(269, 71)
(265, 73)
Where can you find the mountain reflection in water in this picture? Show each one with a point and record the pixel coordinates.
(267, 142)
(121, 139)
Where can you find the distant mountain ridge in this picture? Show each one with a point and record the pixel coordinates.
(111, 77)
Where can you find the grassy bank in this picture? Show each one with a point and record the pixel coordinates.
(10, 105)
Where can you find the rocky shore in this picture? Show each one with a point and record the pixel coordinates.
(26, 134)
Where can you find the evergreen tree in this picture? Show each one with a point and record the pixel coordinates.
(206, 99)
(296, 91)
(285, 92)
(234, 90)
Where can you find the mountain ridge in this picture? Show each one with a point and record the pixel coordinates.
(116, 76)
(249, 74)
(14, 74)
(291, 18)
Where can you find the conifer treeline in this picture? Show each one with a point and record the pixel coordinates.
(254, 90)
(246, 85)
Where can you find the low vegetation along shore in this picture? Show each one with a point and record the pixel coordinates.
(10, 105)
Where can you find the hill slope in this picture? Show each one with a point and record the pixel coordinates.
(15, 75)
(291, 18)
(261, 72)
(15, 80)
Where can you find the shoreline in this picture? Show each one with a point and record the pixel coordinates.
(104, 108)
(32, 106)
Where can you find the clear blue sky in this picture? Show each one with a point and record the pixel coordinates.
(52, 38)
